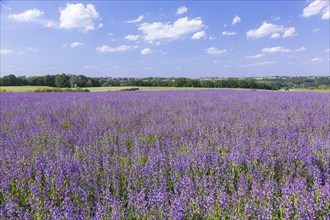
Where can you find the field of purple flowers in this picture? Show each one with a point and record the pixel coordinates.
(165, 155)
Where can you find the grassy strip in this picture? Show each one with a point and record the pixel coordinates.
(126, 88)
(61, 90)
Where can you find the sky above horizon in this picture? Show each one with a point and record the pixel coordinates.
(165, 38)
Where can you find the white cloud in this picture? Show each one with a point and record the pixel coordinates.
(100, 25)
(289, 32)
(182, 10)
(27, 16)
(49, 23)
(77, 16)
(107, 49)
(263, 63)
(33, 16)
(279, 49)
(6, 51)
(146, 51)
(316, 60)
(236, 20)
(275, 18)
(272, 30)
(300, 49)
(317, 7)
(132, 37)
(227, 33)
(5, 7)
(215, 51)
(181, 27)
(275, 35)
(326, 14)
(316, 30)
(91, 67)
(198, 35)
(76, 44)
(327, 50)
(140, 18)
(29, 49)
(255, 56)
(32, 49)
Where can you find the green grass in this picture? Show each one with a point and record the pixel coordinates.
(22, 88)
(306, 90)
(143, 88)
(96, 89)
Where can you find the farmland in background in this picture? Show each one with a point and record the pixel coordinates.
(140, 88)
(165, 155)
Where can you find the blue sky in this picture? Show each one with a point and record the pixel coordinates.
(170, 38)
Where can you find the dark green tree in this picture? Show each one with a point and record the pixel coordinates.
(62, 81)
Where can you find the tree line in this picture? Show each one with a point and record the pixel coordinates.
(59, 81)
(204, 83)
(79, 81)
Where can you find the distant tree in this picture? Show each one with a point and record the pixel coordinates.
(9, 80)
(207, 83)
(49, 80)
(193, 83)
(21, 81)
(62, 81)
(180, 82)
(89, 83)
(74, 81)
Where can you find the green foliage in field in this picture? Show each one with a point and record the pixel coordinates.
(74, 81)
(61, 90)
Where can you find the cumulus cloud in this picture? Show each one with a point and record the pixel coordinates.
(78, 16)
(198, 35)
(215, 51)
(146, 51)
(139, 19)
(27, 16)
(326, 14)
(236, 20)
(272, 30)
(181, 10)
(132, 37)
(107, 49)
(33, 16)
(76, 44)
(181, 27)
(227, 33)
(6, 51)
(279, 49)
(317, 7)
(255, 56)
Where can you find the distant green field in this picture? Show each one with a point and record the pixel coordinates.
(305, 90)
(21, 88)
(141, 88)
(96, 89)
